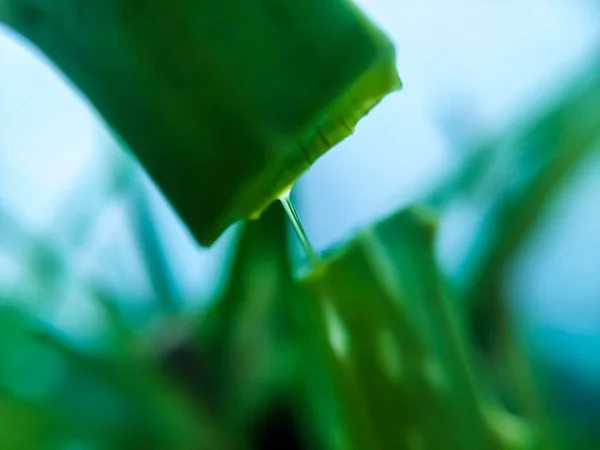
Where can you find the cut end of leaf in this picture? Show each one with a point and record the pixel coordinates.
(226, 103)
(327, 130)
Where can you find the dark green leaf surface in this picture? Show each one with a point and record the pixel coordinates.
(242, 355)
(52, 394)
(224, 103)
(399, 359)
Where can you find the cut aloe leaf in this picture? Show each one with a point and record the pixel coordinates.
(224, 103)
(399, 360)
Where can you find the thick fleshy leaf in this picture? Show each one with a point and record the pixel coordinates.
(396, 350)
(224, 103)
(242, 355)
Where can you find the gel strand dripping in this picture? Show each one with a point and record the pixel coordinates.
(292, 213)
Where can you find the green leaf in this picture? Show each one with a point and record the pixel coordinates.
(241, 357)
(224, 103)
(397, 354)
(518, 174)
(545, 151)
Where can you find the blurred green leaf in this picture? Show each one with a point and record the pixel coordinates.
(543, 154)
(158, 268)
(519, 174)
(399, 358)
(118, 401)
(242, 354)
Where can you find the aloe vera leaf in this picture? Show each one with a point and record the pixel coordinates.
(242, 354)
(153, 407)
(527, 166)
(119, 400)
(544, 153)
(160, 272)
(530, 163)
(547, 150)
(399, 358)
(17, 415)
(224, 103)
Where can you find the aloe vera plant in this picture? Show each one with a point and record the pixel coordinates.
(226, 104)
